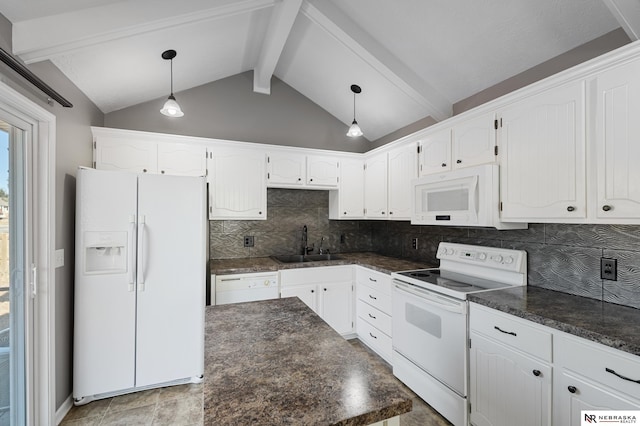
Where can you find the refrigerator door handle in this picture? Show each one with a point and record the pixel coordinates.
(132, 261)
(141, 259)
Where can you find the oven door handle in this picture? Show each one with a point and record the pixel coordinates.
(440, 302)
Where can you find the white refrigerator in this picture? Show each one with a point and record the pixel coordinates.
(139, 282)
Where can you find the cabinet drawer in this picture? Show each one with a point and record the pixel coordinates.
(599, 363)
(374, 279)
(512, 331)
(374, 316)
(375, 298)
(375, 339)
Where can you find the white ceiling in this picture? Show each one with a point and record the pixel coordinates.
(413, 58)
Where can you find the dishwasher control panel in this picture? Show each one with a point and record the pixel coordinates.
(237, 288)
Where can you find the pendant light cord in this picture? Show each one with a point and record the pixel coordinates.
(354, 106)
(171, 76)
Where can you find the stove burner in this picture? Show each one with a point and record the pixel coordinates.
(457, 284)
(419, 274)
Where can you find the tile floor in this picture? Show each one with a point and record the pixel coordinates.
(182, 406)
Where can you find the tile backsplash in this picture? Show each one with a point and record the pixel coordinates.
(560, 257)
(288, 210)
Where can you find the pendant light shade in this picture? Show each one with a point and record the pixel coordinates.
(171, 107)
(354, 130)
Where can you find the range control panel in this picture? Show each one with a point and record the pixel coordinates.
(489, 257)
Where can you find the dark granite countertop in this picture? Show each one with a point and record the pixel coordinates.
(276, 362)
(606, 323)
(373, 261)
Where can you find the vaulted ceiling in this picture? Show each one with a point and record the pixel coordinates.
(412, 58)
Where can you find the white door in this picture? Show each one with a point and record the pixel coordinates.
(351, 191)
(104, 308)
(616, 141)
(507, 387)
(542, 145)
(375, 187)
(322, 171)
(129, 156)
(474, 141)
(182, 159)
(237, 186)
(171, 278)
(286, 169)
(403, 168)
(336, 305)
(435, 152)
(430, 330)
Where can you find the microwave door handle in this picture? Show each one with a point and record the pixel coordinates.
(473, 199)
(425, 298)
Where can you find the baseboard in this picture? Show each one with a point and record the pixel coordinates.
(64, 409)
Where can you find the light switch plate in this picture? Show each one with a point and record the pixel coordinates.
(59, 258)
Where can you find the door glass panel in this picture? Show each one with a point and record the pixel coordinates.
(12, 272)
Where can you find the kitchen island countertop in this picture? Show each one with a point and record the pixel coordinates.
(601, 322)
(384, 264)
(277, 362)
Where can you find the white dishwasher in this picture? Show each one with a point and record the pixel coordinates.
(236, 288)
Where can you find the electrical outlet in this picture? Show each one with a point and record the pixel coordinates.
(414, 243)
(609, 269)
(248, 241)
(59, 258)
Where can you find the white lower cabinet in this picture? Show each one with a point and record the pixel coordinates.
(592, 377)
(512, 362)
(508, 385)
(328, 290)
(373, 309)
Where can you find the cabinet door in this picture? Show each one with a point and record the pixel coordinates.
(617, 146)
(182, 159)
(336, 305)
(573, 394)
(307, 293)
(375, 187)
(403, 167)
(130, 156)
(542, 144)
(507, 387)
(286, 169)
(348, 201)
(474, 141)
(322, 171)
(237, 186)
(435, 153)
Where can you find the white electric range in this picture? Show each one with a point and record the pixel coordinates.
(430, 324)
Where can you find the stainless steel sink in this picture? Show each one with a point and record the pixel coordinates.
(298, 258)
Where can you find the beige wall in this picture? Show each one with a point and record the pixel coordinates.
(73, 149)
(230, 109)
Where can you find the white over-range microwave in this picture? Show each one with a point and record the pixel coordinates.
(463, 197)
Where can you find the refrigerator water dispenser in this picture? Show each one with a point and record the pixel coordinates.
(105, 252)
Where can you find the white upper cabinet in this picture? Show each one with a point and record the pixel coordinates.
(293, 169)
(237, 184)
(348, 201)
(375, 186)
(286, 168)
(469, 143)
(141, 156)
(542, 156)
(474, 141)
(616, 147)
(322, 171)
(435, 152)
(402, 169)
(182, 159)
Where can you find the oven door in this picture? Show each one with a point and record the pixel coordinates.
(430, 330)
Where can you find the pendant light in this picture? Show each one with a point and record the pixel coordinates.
(354, 130)
(171, 107)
